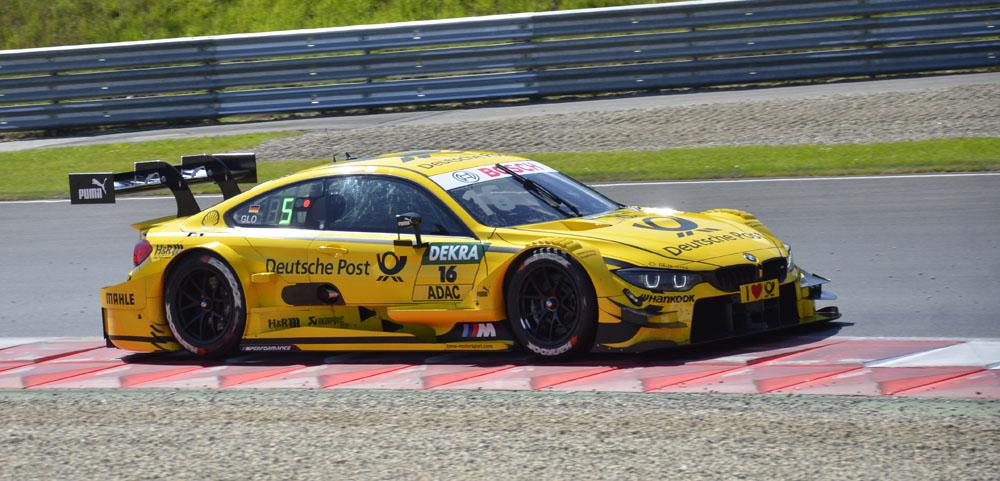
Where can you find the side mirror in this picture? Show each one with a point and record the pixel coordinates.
(409, 219)
(406, 221)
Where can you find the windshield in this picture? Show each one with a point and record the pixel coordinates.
(496, 199)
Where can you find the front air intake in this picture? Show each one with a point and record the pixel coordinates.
(730, 278)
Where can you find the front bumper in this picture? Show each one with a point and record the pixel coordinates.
(705, 314)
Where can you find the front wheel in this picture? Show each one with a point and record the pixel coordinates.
(205, 305)
(551, 305)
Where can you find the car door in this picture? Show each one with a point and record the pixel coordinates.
(377, 265)
(280, 225)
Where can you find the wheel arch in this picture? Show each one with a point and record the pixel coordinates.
(588, 257)
(227, 254)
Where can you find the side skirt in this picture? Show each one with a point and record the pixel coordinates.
(366, 344)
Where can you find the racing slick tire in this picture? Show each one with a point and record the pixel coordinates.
(551, 305)
(205, 305)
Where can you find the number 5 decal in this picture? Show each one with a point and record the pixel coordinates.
(286, 211)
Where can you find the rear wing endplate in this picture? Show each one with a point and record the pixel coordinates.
(226, 170)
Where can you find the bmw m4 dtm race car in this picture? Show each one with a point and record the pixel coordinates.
(436, 250)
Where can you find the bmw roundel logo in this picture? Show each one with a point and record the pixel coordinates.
(465, 176)
(750, 257)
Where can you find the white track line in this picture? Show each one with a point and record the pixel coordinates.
(119, 199)
(896, 338)
(798, 179)
(6, 342)
(627, 184)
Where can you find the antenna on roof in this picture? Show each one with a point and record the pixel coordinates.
(349, 156)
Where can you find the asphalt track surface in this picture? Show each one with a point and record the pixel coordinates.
(908, 255)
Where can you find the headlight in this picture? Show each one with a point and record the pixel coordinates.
(660, 279)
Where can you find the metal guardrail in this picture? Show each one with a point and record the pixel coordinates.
(686, 44)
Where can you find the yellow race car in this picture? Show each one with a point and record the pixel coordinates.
(436, 250)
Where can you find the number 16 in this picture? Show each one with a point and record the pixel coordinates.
(448, 273)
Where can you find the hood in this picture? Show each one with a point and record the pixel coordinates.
(656, 235)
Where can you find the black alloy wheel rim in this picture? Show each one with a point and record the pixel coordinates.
(548, 305)
(204, 306)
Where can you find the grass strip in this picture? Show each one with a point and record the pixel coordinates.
(41, 173)
(941, 155)
(33, 23)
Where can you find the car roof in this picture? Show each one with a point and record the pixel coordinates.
(424, 162)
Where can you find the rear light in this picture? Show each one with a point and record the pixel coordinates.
(141, 251)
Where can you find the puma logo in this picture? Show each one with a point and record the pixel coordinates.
(98, 192)
(102, 185)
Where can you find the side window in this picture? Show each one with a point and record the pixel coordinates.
(299, 205)
(366, 203)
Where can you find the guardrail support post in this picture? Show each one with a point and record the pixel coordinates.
(54, 113)
(211, 61)
(366, 93)
(528, 56)
(866, 36)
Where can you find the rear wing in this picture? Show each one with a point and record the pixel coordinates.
(226, 170)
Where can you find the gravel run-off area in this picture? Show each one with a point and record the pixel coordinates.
(943, 112)
(206, 434)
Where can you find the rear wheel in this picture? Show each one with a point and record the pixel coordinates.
(551, 305)
(205, 305)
